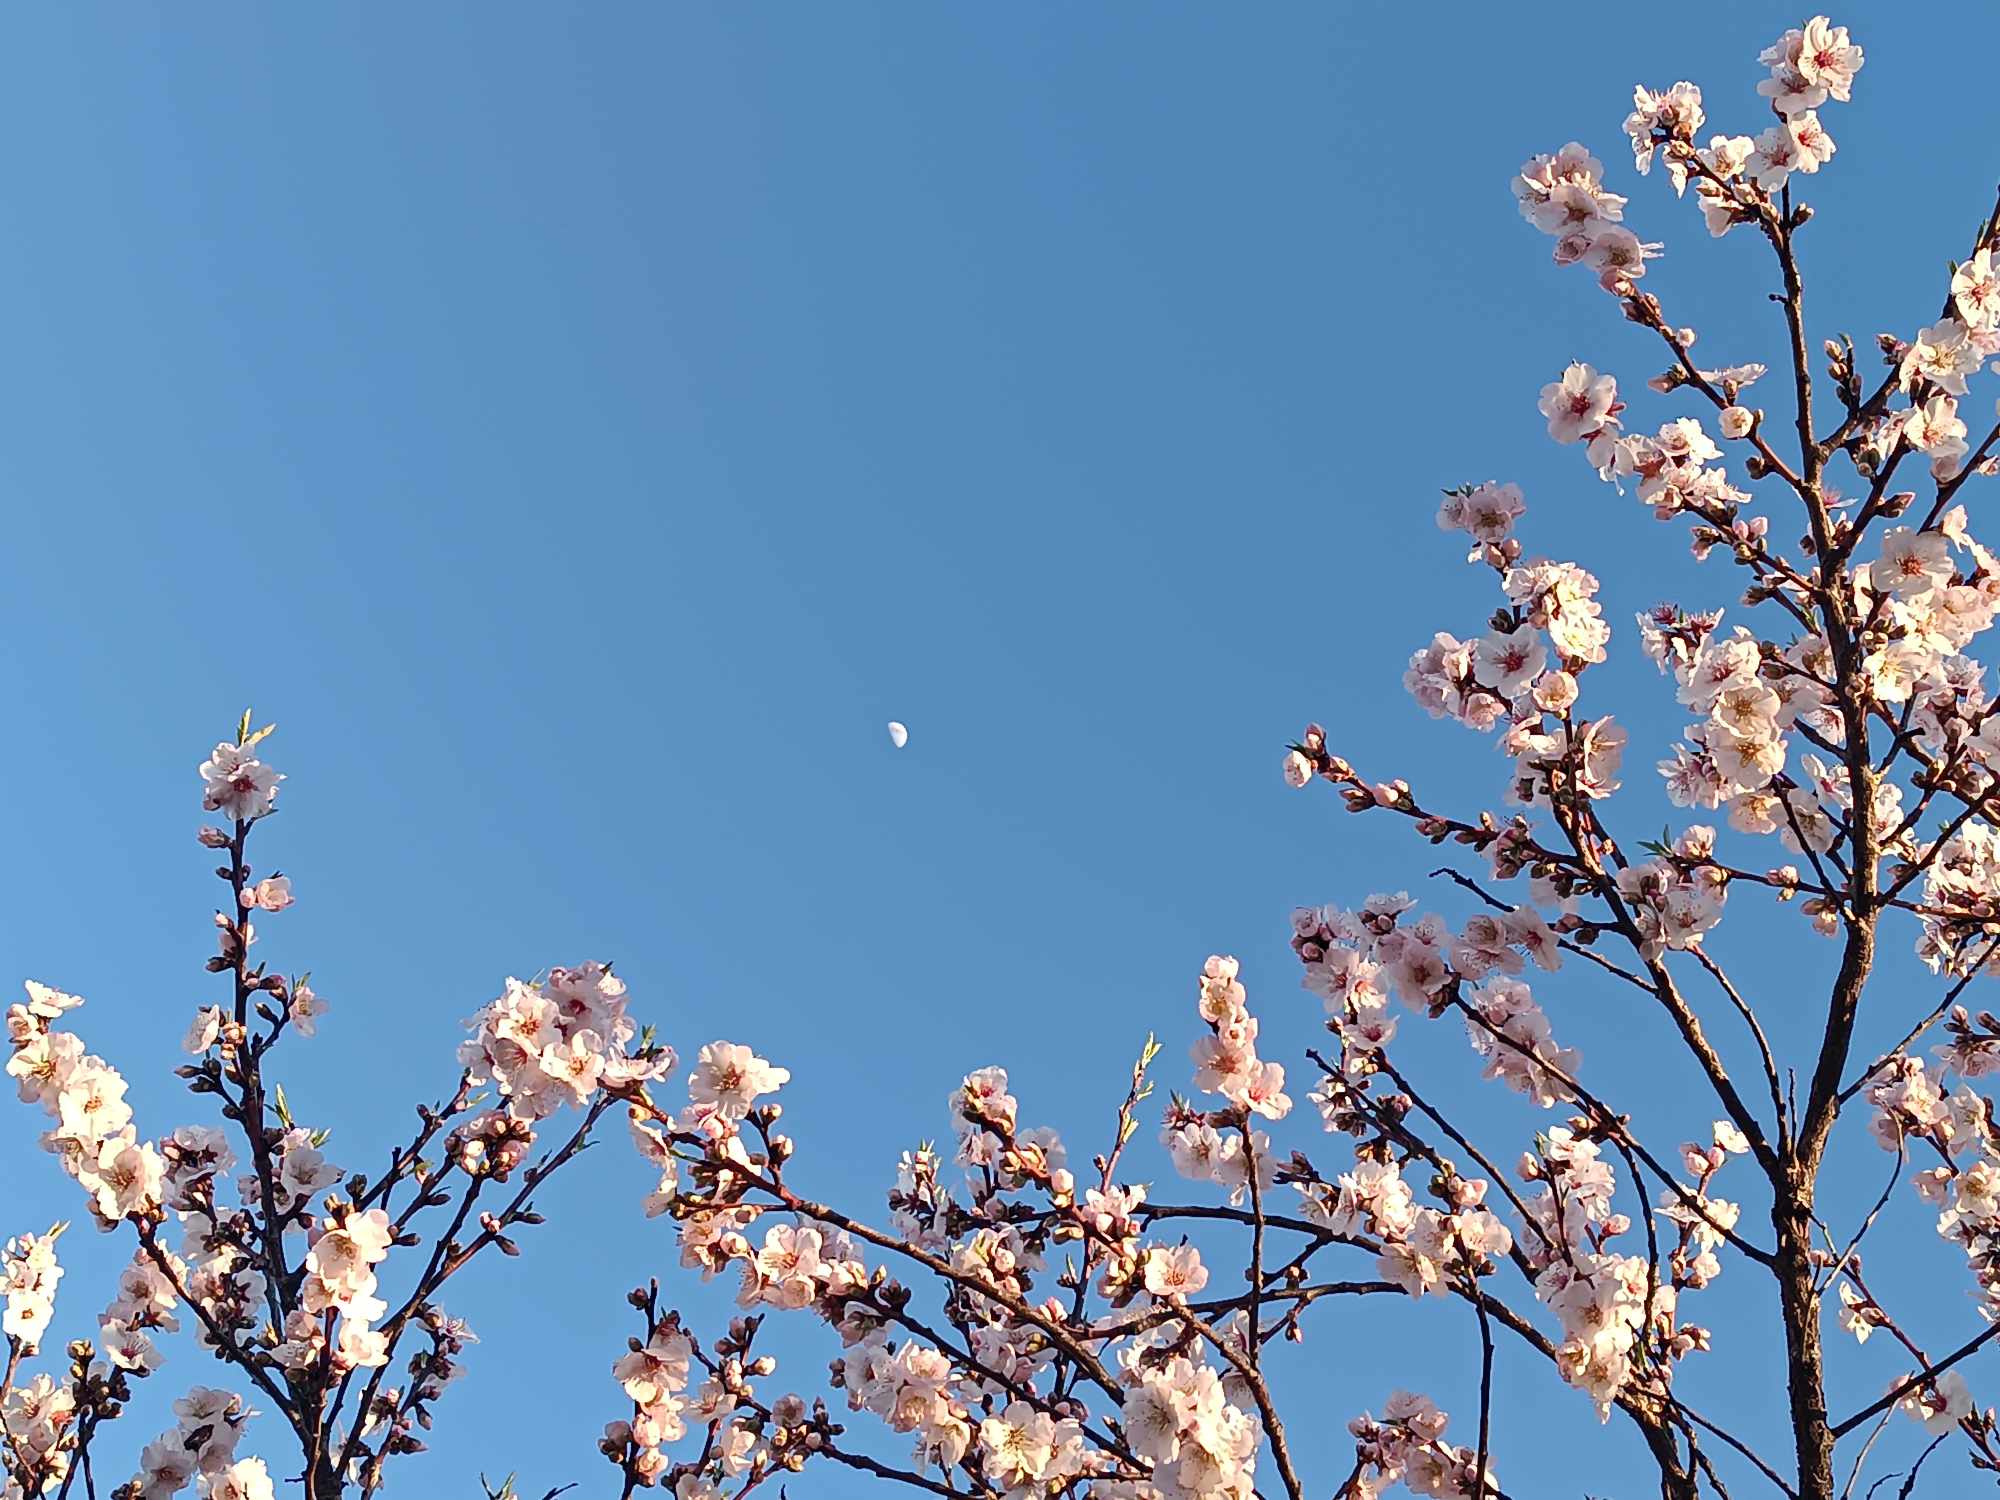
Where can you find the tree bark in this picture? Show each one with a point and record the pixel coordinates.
(1676, 1483)
(1812, 1437)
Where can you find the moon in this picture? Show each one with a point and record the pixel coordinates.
(898, 735)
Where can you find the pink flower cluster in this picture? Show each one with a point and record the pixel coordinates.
(1564, 196)
(556, 1043)
(201, 1448)
(1406, 1446)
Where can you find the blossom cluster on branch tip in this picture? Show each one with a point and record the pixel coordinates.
(1406, 1445)
(556, 1044)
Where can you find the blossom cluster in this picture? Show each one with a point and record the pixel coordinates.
(122, 1177)
(201, 1448)
(1523, 672)
(36, 1418)
(1406, 1445)
(1736, 177)
(1619, 1318)
(340, 1279)
(29, 1272)
(653, 1375)
(1221, 1146)
(915, 1390)
(1676, 898)
(1182, 1417)
(93, 1136)
(555, 1043)
(1915, 1103)
(1354, 959)
(1564, 195)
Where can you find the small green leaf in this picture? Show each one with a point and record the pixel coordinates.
(243, 727)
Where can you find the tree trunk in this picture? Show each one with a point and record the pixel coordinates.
(325, 1483)
(1812, 1439)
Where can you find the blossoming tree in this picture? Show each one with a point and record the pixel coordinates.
(1069, 1337)
(277, 1269)
(1035, 1327)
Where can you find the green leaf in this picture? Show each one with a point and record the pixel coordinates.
(243, 727)
(278, 1103)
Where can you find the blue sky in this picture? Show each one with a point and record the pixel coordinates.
(582, 428)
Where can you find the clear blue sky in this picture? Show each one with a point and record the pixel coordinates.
(582, 427)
